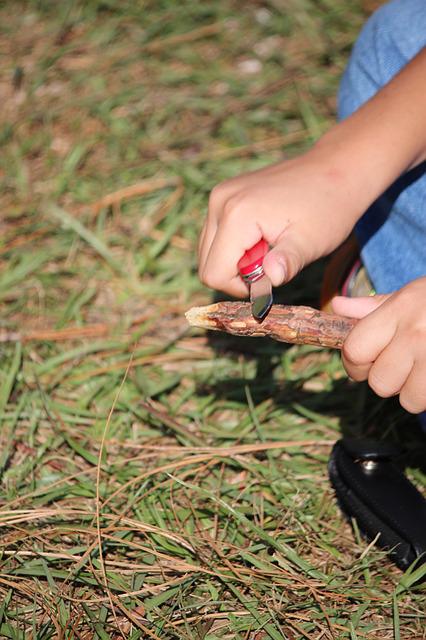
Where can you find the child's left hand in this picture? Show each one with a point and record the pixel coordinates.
(388, 345)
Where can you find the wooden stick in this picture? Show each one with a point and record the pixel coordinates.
(293, 324)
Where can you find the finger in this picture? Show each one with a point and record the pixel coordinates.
(413, 394)
(358, 372)
(228, 246)
(206, 240)
(390, 371)
(217, 200)
(370, 336)
(357, 307)
(201, 240)
(284, 260)
(237, 288)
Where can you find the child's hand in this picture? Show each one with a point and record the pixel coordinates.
(388, 345)
(304, 208)
(307, 206)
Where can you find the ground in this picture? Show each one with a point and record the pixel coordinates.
(155, 481)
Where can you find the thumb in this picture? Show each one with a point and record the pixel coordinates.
(357, 307)
(283, 262)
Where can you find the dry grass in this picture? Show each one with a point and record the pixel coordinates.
(157, 483)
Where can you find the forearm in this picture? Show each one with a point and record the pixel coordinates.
(385, 138)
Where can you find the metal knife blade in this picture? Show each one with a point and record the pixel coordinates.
(261, 297)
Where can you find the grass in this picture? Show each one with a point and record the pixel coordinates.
(158, 482)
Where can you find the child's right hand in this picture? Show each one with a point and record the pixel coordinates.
(307, 206)
(304, 208)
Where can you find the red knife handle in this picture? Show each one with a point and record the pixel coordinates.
(250, 265)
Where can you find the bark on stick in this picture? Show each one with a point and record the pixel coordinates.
(293, 324)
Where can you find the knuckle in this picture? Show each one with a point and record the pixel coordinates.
(221, 193)
(407, 403)
(358, 374)
(216, 194)
(209, 278)
(418, 331)
(380, 385)
(233, 208)
(412, 402)
(352, 353)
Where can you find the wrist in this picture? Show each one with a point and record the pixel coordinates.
(350, 179)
